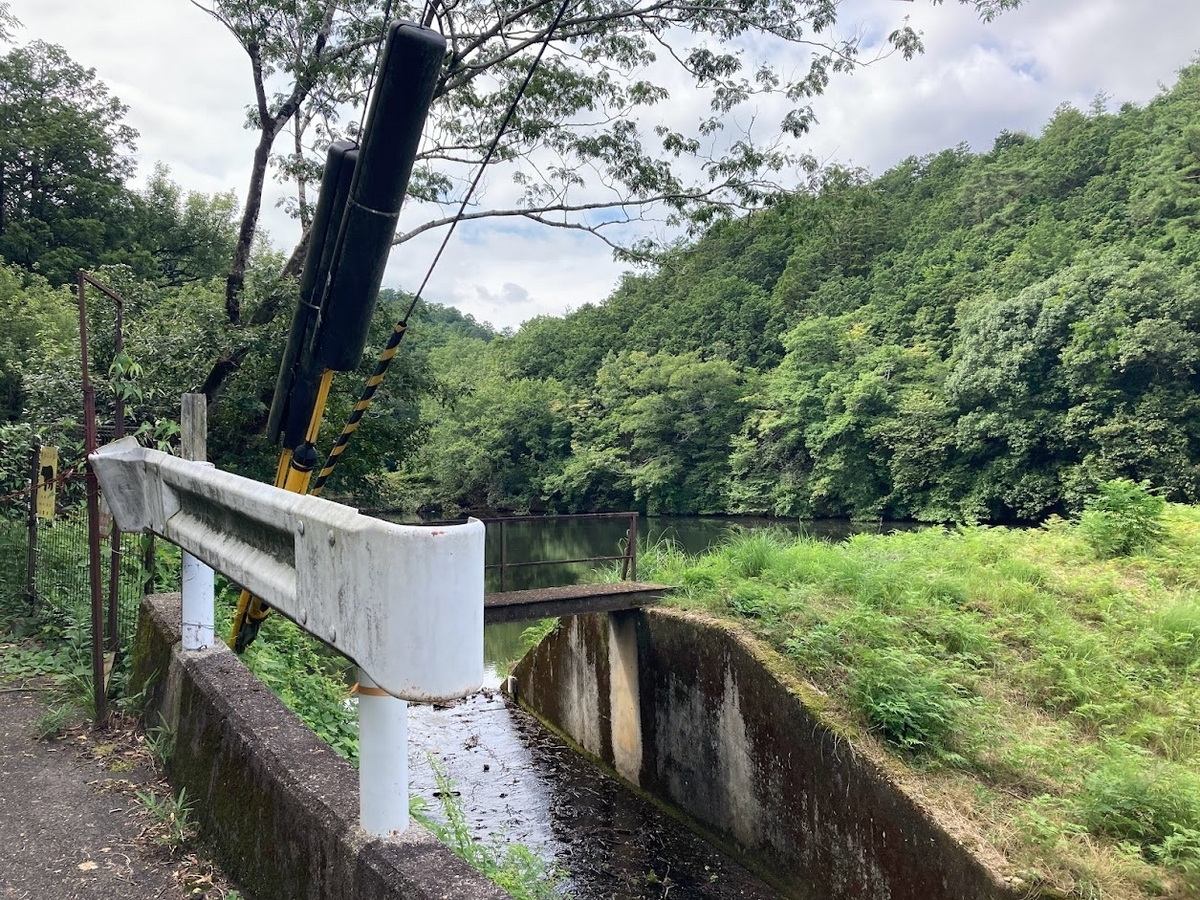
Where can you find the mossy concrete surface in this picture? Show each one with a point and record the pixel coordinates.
(689, 711)
(279, 807)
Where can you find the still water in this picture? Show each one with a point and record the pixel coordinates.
(569, 538)
(518, 782)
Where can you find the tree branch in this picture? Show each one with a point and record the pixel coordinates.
(536, 213)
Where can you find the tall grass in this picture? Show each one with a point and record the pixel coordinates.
(1055, 683)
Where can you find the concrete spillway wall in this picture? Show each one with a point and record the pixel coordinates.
(689, 711)
(279, 806)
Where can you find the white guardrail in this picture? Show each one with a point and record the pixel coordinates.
(404, 602)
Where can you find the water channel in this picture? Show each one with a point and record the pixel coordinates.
(518, 782)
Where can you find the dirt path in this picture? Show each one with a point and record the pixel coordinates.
(71, 824)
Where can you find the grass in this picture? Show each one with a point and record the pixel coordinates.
(1042, 683)
(514, 867)
(172, 822)
(56, 648)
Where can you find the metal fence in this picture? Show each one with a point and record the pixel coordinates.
(504, 565)
(44, 561)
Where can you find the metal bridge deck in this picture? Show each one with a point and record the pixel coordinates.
(542, 603)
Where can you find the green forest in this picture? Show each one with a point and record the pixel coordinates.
(968, 337)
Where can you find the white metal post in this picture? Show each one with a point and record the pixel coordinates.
(198, 589)
(382, 759)
(198, 593)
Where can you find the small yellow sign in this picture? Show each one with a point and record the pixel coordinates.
(47, 482)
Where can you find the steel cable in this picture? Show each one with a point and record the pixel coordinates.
(384, 361)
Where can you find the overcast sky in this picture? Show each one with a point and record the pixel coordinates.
(187, 85)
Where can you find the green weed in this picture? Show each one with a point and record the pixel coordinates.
(1179, 626)
(755, 600)
(57, 718)
(160, 741)
(1153, 804)
(312, 680)
(171, 818)
(817, 647)
(514, 867)
(751, 554)
(915, 707)
(533, 635)
(1122, 518)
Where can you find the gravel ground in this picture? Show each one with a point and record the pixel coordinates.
(71, 823)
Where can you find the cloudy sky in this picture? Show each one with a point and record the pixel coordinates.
(187, 85)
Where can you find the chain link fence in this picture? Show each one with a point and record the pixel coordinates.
(45, 555)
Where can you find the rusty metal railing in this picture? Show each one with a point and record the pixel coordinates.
(628, 559)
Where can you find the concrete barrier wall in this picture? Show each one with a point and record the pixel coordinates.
(688, 711)
(278, 806)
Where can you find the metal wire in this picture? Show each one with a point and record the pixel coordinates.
(387, 15)
(61, 585)
(388, 353)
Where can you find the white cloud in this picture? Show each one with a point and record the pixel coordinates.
(187, 84)
(506, 275)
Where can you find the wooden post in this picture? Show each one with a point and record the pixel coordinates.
(198, 592)
(193, 427)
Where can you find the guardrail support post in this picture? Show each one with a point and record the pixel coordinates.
(198, 579)
(382, 759)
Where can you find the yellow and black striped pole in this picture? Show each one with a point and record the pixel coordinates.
(292, 474)
(364, 403)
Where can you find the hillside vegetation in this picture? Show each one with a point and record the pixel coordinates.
(968, 337)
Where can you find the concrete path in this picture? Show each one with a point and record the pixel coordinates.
(71, 825)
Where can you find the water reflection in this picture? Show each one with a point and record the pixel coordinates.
(502, 646)
(517, 780)
(568, 538)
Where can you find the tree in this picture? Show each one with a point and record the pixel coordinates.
(64, 158)
(655, 430)
(318, 50)
(175, 239)
(7, 23)
(575, 152)
(1087, 376)
(40, 322)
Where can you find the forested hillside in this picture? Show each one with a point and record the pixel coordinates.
(966, 337)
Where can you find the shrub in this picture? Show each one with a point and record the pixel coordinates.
(1124, 517)
(1154, 805)
(917, 709)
